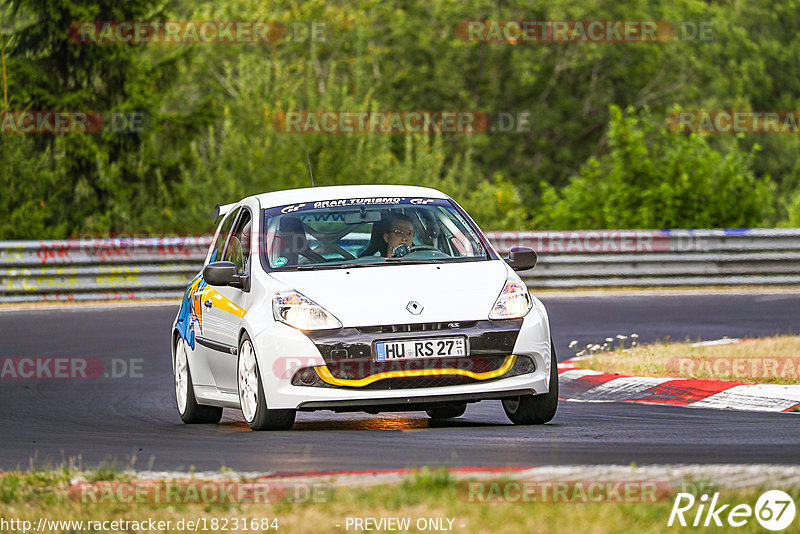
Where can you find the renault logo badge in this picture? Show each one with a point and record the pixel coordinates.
(414, 307)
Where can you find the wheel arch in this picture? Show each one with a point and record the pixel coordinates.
(242, 332)
(173, 345)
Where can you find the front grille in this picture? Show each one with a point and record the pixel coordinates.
(418, 327)
(357, 369)
(348, 352)
(522, 365)
(486, 338)
(415, 382)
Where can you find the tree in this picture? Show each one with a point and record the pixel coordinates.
(102, 181)
(655, 178)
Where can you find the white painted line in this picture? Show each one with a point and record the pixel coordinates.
(70, 307)
(755, 397)
(574, 374)
(612, 293)
(678, 475)
(713, 342)
(623, 388)
(692, 475)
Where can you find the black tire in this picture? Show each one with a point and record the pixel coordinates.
(536, 409)
(194, 413)
(264, 418)
(447, 412)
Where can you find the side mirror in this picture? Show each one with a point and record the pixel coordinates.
(222, 273)
(521, 258)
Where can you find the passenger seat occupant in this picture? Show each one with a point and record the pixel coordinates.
(238, 249)
(432, 231)
(244, 239)
(293, 242)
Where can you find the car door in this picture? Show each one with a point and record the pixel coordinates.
(226, 307)
(202, 374)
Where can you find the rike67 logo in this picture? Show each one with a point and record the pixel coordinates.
(774, 510)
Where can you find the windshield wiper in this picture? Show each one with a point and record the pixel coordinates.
(412, 261)
(385, 261)
(319, 266)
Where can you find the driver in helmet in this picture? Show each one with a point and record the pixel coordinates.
(400, 232)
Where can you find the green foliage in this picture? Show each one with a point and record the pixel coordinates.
(244, 153)
(107, 181)
(210, 135)
(422, 484)
(793, 211)
(35, 484)
(655, 178)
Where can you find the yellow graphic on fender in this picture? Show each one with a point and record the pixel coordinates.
(198, 293)
(224, 303)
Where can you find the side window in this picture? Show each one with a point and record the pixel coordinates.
(238, 249)
(219, 244)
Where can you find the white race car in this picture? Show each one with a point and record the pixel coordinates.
(359, 298)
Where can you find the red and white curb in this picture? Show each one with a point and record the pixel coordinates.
(593, 386)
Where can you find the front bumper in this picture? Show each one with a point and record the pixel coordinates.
(282, 351)
(418, 403)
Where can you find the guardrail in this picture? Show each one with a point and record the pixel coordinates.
(99, 269)
(650, 258)
(110, 269)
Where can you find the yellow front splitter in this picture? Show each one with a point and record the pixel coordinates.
(324, 373)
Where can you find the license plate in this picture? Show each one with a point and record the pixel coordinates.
(439, 347)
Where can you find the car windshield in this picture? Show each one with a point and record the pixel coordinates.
(366, 232)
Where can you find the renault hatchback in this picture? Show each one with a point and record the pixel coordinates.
(359, 298)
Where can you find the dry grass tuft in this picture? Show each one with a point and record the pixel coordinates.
(773, 360)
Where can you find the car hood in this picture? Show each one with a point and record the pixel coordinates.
(366, 296)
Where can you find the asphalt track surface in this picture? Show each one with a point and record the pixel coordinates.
(133, 421)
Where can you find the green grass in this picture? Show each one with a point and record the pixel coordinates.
(429, 492)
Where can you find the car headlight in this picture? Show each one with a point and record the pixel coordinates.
(299, 311)
(514, 301)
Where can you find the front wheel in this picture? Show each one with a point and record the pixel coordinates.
(536, 409)
(251, 394)
(191, 412)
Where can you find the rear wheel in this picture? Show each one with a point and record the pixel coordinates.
(535, 409)
(251, 394)
(447, 412)
(191, 412)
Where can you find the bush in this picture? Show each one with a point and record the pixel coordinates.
(792, 211)
(651, 177)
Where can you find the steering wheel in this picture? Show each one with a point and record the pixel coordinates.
(402, 250)
(415, 248)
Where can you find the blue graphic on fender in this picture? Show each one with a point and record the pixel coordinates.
(191, 310)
